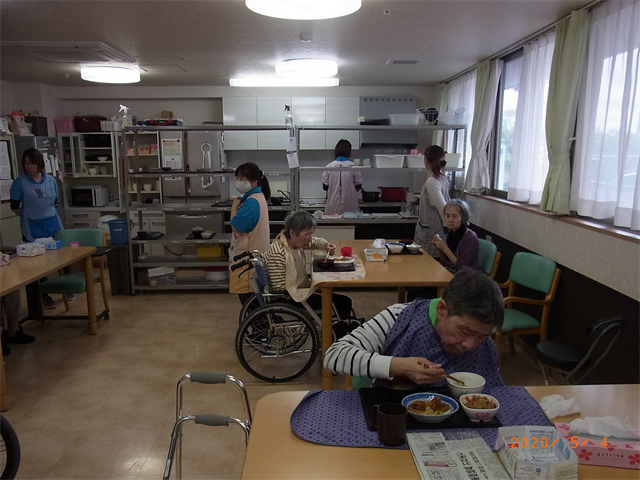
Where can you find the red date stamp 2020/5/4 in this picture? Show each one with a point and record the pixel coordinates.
(543, 442)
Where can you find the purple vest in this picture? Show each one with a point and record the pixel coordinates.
(412, 335)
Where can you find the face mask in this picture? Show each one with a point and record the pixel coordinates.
(243, 186)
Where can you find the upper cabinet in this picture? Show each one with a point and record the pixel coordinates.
(240, 111)
(306, 111)
(342, 111)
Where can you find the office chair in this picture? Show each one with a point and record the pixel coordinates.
(537, 273)
(572, 358)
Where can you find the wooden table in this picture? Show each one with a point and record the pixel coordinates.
(274, 452)
(25, 270)
(398, 271)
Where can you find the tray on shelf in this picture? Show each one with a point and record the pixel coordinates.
(150, 236)
(205, 236)
(370, 397)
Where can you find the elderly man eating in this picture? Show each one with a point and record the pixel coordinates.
(426, 339)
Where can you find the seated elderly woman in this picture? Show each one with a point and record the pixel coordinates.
(286, 263)
(459, 248)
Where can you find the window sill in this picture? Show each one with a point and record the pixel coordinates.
(578, 222)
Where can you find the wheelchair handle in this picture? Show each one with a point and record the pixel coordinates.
(208, 377)
(242, 255)
(241, 264)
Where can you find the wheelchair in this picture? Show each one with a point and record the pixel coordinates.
(276, 341)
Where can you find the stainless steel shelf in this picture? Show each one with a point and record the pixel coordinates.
(189, 284)
(184, 261)
(181, 239)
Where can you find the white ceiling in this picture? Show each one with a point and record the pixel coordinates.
(187, 42)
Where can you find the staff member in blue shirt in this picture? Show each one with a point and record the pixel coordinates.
(249, 222)
(33, 198)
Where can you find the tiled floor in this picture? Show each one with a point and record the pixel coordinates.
(103, 406)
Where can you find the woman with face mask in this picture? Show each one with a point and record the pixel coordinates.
(249, 222)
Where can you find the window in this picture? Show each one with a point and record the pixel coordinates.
(605, 183)
(523, 163)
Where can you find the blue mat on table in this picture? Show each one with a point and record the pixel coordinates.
(335, 417)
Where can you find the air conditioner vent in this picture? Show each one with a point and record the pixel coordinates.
(398, 61)
(69, 52)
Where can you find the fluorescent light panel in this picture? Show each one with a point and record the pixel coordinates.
(304, 9)
(110, 73)
(307, 67)
(283, 82)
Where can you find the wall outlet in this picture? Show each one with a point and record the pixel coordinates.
(488, 237)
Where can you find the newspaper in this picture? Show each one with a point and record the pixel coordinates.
(466, 459)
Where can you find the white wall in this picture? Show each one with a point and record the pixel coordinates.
(608, 260)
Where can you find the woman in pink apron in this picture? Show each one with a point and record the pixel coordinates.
(249, 222)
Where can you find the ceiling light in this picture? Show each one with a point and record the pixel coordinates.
(307, 67)
(304, 9)
(110, 73)
(282, 82)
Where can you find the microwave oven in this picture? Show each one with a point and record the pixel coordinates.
(90, 196)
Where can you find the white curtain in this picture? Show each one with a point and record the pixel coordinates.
(478, 178)
(529, 164)
(461, 94)
(606, 183)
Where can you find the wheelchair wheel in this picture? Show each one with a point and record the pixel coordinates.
(249, 306)
(9, 451)
(277, 343)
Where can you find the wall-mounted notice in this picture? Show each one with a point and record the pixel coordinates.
(172, 153)
(5, 162)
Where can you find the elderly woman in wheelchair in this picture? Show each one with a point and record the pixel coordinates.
(278, 338)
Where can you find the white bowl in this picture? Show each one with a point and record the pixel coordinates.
(479, 414)
(103, 159)
(425, 397)
(473, 383)
(414, 247)
(395, 247)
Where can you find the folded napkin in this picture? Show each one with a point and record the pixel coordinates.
(605, 427)
(556, 406)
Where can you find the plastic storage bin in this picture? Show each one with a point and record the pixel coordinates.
(389, 161)
(119, 231)
(109, 126)
(209, 251)
(404, 119)
(414, 161)
(161, 276)
(64, 125)
(216, 274)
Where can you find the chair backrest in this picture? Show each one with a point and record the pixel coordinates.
(88, 237)
(487, 253)
(607, 326)
(532, 271)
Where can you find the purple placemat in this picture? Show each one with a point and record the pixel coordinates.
(335, 417)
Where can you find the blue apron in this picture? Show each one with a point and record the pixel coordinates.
(38, 216)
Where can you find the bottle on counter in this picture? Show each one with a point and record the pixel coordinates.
(288, 116)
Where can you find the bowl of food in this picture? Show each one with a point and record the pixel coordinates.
(342, 262)
(473, 383)
(395, 247)
(479, 407)
(430, 407)
(325, 263)
(103, 159)
(413, 247)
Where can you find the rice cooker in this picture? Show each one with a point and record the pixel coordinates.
(103, 225)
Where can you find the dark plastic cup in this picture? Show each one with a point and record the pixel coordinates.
(392, 424)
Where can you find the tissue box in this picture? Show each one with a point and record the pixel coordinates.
(30, 249)
(4, 259)
(536, 452)
(376, 254)
(49, 243)
(593, 450)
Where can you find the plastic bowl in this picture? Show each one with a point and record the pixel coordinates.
(479, 415)
(414, 247)
(103, 159)
(425, 397)
(473, 383)
(325, 263)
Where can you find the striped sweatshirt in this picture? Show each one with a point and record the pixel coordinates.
(275, 260)
(359, 353)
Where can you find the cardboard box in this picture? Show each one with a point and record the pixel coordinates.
(4, 259)
(166, 114)
(131, 151)
(144, 150)
(533, 452)
(30, 249)
(593, 450)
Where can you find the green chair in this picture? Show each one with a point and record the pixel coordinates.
(72, 283)
(488, 257)
(537, 273)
